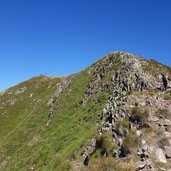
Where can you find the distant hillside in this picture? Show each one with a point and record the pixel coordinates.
(112, 116)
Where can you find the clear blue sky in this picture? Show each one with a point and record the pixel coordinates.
(60, 37)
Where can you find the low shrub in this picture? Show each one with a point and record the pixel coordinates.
(123, 123)
(105, 144)
(131, 141)
(139, 115)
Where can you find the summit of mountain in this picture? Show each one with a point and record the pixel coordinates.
(113, 115)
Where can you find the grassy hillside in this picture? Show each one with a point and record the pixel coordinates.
(29, 138)
(40, 130)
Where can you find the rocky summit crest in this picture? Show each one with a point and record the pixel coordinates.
(113, 115)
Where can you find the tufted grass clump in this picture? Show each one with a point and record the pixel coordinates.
(131, 141)
(139, 115)
(165, 113)
(105, 144)
(167, 95)
(123, 123)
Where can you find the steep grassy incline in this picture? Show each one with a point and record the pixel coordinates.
(22, 113)
(45, 122)
(20, 102)
(37, 134)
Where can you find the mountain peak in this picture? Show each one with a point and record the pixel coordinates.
(113, 110)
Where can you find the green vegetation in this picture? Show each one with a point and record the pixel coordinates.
(123, 123)
(58, 164)
(164, 113)
(105, 144)
(160, 165)
(30, 139)
(25, 104)
(167, 95)
(139, 115)
(154, 68)
(131, 141)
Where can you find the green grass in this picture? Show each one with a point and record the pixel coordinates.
(160, 165)
(24, 124)
(28, 138)
(105, 144)
(131, 141)
(69, 129)
(167, 95)
(154, 68)
(12, 115)
(123, 123)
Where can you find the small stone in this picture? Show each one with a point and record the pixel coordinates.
(167, 134)
(155, 119)
(160, 155)
(104, 111)
(143, 142)
(139, 152)
(142, 104)
(145, 147)
(148, 162)
(115, 153)
(167, 122)
(31, 168)
(139, 133)
(140, 165)
(167, 151)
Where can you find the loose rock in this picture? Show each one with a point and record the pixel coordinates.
(160, 155)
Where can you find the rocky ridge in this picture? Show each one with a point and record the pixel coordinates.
(118, 100)
(131, 77)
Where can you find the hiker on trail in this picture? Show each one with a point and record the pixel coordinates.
(165, 82)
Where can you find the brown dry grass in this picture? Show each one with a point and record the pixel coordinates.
(110, 164)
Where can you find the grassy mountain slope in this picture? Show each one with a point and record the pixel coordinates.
(46, 122)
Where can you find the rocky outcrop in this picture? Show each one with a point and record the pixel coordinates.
(60, 88)
(119, 95)
(128, 75)
(128, 78)
(125, 79)
(20, 90)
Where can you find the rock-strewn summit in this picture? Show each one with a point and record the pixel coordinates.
(114, 115)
